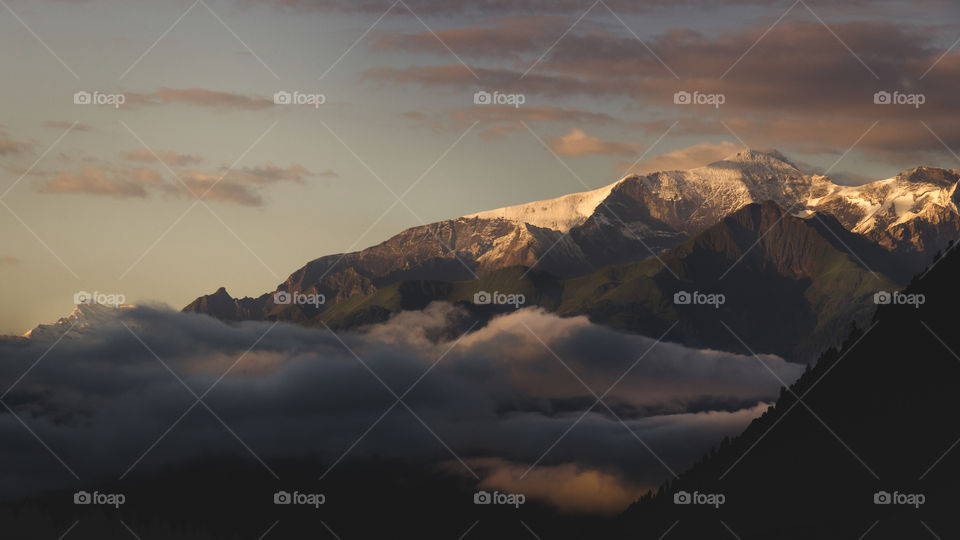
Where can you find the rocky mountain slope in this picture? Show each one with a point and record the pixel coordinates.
(788, 283)
(912, 215)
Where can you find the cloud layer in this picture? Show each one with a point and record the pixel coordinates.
(801, 84)
(100, 398)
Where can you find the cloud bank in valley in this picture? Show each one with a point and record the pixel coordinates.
(499, 398)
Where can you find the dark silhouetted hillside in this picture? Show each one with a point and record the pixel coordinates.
(880, 414)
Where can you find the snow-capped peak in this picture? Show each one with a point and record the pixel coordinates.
(916, 211)
(745, 177)
(560, 214)
(885, 204)
(81, 319)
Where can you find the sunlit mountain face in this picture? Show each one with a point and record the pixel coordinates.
(478, 269)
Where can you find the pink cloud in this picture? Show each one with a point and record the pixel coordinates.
(577, 143)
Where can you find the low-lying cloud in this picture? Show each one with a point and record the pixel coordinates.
(499, 398)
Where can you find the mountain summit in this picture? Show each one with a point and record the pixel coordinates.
(81, 320)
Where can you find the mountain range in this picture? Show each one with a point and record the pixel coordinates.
(776, 230)
(872, 415)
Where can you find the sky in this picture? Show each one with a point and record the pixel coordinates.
(199, 179)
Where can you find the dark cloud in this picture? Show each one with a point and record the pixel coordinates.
(501, 38)
(567, 7)
(507, 113)
(798, 87)
(100, 399)
(269, 174)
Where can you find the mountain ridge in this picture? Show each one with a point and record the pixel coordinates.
(773, 267)
(637, 217)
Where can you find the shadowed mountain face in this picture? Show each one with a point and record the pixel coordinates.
(789, 286)
(793, 285)
(879, 415)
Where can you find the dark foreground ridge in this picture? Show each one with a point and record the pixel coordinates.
(870, 428)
